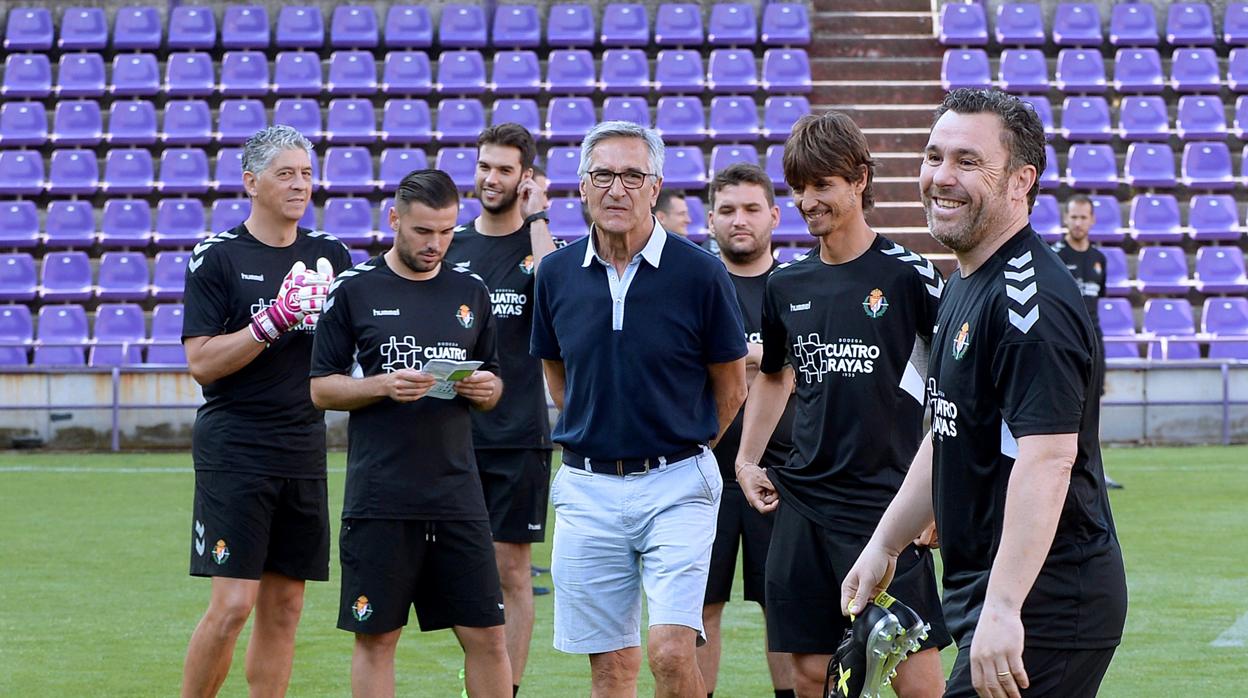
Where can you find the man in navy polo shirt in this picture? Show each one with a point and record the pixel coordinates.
(643, 347)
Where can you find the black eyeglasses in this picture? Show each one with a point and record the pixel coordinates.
(603, 179)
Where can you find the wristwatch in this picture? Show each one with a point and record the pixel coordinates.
(539, 216)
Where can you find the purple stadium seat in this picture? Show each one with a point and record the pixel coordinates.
(187, 122)
(462, 72)
(733, 119)
(1155, 218)
(27, 75)
(132, 122)
(1226, 317)
(1044, 110)
(1143, 118)
(965, 68)
(385, 234)
(697, 219)
(406, 121)
(303, 115)
(23, 124)
(634, 109)
(1201, 117)
(625, 72)
(1020, 24)
(469, 209)
(83, 29)
(348, 170)
(408, 26)
(123, 277)
(678, 24)
(238, 119)
(1162, 270)
(352, 73)
(61, 337)
(570, 26)
(1050, 179)
(1080, 71)
(460, 164)
(166, 347)
(1046, 218)
(189, 74)
(1116, 281)
(1117, 320)
(732, 24)
(359, 256)
(963, 25)
(191, 27)
(1207, 165)
(245, 27)
(774, 166)
(786, 71)
(1235, 24)
(1220, 270)
(786, 24)
(407, 73)
(516, 73)
(780, 113)
(1189, 24)
(570, 72)
(80, 75)
(169, 275)
(561, 165)
(21, 172)
(679, 71)
(76, 122)
(300, 26)
(244, 74)
(1133, 24)
(685, 167)
(732, 70)
(569, 118)
(297, 73)
(722, 156)
(680, 119)
(1237, 70)
(625, 24)
(1086, 119)
(1149, 165)
(354, 26)
(137, 28)
(69, 224)
(129, 171)
(227, 176)
(1195, 70)
(15, 333)
(567, 218)
(1170, 318)
(1077, 24)
(184, 171)
(21, 224)
(136, 75)
(126, 223)
(1213, 217)
(350, 121)
(17, 277)
(118, 335)
(460, 120)
(228, 213)
(521, 111)
(462, 26)
(65, 277)
(792, 226)
(516, 26)
(1107, 228)
(1138, 71)
(1091, 167)
(350, 220)
(180, 223)
(788, 255)
(1021, 70)
(28, 29)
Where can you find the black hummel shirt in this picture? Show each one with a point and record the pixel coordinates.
(1088, 268)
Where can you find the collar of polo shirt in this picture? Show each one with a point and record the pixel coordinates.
(651, 252)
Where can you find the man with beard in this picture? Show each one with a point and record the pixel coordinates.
(1035, 592)
(847, 324)
(414, 525)
(743, 214)
(504, 246)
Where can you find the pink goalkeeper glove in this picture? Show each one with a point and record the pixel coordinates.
(300, 300)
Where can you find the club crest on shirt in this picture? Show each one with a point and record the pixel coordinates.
(362, 609)
(465, 316)
(962, 342)
(220, 552)
(875, 304)
(526, 265)
(1096, 267)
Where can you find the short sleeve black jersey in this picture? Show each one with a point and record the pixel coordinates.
(750, 290)
(259, 419)
(1088, 268)
(849, 331)
(1014, 356)
(408, 460)
(506, 265)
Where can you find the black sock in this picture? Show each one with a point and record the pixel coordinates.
(786, 693)
(515, 690)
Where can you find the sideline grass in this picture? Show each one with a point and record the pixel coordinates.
(95, 600)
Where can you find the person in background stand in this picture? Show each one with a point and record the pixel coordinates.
(673, 212)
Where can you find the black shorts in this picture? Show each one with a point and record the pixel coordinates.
(445, 568)
(245, 524)
(805, 567)
(739, 526)
(1052, 673)
(517, 489)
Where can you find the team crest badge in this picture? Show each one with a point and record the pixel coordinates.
(875, 304)
(526, 265)
(465, 317)
(362, 609)
(1096, 266)
(962, 342)
(220, 552)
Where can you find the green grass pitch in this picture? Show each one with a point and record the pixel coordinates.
(95, 600)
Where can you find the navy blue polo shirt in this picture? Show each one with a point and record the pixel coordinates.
(635, 347)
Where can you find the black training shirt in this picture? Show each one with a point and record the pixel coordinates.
(1088, 268)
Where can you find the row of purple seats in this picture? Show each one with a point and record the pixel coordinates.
(407, 26)
(1082, 71)
(1172, 319)
(1079, 24)
(1163, 270)
(1093, 166)
(67, 277)
(1141, 118)
(118, 336)
(1151, 218)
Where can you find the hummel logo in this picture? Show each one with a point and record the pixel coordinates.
(251, 277)
(199, 538)
(535, 527)
(798, 307)
(195, 264)
(383, 313)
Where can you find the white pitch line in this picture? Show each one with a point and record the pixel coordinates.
(1234, 636)
(78, 469)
